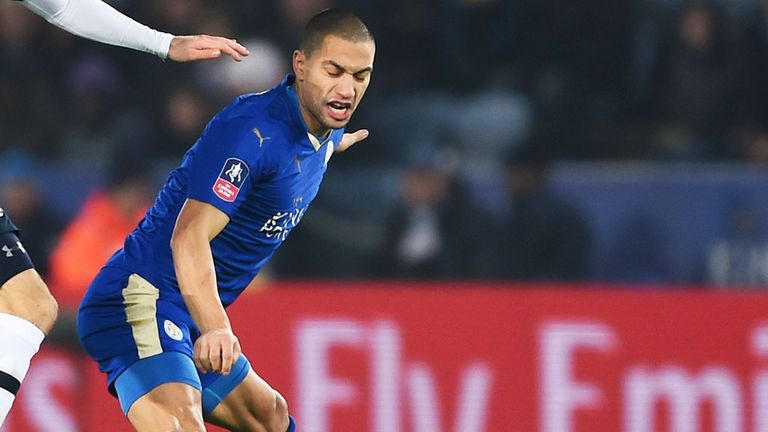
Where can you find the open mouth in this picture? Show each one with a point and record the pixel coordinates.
(339, 111)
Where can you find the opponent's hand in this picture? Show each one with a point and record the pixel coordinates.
(350, 139)
(204, 47)
(216, 351)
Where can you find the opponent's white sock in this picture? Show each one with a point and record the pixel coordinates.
(19, 342)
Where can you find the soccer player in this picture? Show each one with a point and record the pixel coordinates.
(154, 318)
(27, 309)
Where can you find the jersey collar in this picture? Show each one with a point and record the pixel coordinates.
(316, 141)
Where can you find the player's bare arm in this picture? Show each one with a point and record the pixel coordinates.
(198, 223)
(98, 21)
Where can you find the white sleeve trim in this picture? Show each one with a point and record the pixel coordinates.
(96, 20)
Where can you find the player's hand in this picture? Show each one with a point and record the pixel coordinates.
(216, 351)
(204, 47)
(351, 139)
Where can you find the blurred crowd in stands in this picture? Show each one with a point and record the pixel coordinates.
(474, 106)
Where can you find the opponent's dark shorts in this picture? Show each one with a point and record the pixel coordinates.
(14, 259)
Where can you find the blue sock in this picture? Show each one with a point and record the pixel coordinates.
(291, 425)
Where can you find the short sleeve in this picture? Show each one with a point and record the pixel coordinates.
(337, 135)
(225, 160)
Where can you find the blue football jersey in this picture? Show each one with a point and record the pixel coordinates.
(256, 162)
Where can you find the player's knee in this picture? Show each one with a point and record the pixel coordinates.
(281, 413)
(269, 417)
(277, 419)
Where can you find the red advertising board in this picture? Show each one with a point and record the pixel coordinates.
(461, 358)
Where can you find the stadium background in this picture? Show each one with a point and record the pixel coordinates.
(557, 224)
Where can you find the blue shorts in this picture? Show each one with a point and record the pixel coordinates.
(144, 375)
(141, 340)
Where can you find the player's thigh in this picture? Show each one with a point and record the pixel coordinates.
(171, 406)
(252, 406)
(26, 296)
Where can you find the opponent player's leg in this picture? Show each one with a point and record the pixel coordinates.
(27, 313)
(243, 402)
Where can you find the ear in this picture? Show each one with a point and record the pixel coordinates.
(299, 64)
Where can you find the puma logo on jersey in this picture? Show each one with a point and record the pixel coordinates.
(9, 250)
(258, 134)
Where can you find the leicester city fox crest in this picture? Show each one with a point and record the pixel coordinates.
(231, 179)
(172, 330)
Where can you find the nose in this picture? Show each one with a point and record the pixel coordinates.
(345, 88)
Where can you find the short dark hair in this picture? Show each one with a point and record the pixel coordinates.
(337, 22)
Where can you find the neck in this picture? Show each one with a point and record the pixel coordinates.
(314, 126)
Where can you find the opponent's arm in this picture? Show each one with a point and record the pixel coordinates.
(198, 223)
(96, 20)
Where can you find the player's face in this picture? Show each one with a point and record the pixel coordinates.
(332, 81)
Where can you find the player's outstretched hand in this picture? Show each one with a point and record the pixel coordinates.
(204, 47)
(216, 351)
(351, 139)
